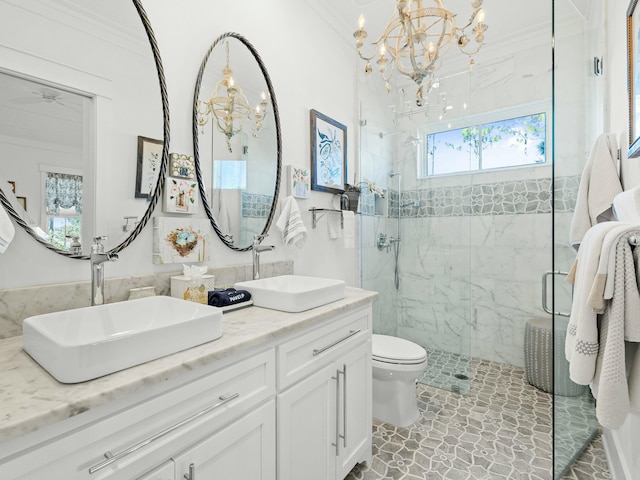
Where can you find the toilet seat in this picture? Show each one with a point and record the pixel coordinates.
(388, 349)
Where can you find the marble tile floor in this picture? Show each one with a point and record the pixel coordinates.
(501, 430)
(449, 371)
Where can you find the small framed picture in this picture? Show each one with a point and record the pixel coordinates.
(23, 202)
(328, 154)
(299, 182)
(149, 160)
(181, 166)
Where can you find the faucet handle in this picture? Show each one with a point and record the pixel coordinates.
(258, 238)
(97, 246)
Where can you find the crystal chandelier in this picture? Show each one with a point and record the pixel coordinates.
(415, 38)
(229, 106)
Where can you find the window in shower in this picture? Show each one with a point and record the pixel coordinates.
(511, 142)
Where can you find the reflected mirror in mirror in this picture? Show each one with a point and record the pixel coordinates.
(71, 114)
(43, 141)
(236, 141)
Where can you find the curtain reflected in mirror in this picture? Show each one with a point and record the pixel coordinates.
(236, 141)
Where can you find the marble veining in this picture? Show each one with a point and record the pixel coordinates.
(31, 399)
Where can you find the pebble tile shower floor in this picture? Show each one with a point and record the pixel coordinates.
(502, 430)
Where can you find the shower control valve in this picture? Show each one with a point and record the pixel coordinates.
(382, 242)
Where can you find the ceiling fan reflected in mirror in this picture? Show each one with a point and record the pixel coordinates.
(42, 95)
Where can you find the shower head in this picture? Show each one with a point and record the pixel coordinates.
(393, 174)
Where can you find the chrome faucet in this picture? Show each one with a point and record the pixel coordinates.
(257, 249)
(98, 256)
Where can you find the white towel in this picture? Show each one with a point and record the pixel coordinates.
(616, 394)
(7, 231)
(349, 230)
(626, 206)
(290, 224)
(599, 185)
(581, 345)
(334, 224)
(602, 288)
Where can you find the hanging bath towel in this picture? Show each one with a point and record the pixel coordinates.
(290, 223)
(7, 231)
(599, 185)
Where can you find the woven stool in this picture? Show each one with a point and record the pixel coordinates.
(538, 358)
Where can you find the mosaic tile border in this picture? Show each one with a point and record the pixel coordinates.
(256, 205)
(501, 198)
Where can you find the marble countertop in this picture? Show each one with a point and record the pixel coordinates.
(30, 398)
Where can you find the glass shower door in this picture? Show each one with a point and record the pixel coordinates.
(577, 108)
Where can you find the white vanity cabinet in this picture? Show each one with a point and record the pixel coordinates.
(244, 449)
(324, 400)
(164, 472)
(290, 406)
(127, 440)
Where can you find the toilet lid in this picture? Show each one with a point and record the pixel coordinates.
(396, 350)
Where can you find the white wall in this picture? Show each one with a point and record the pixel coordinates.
(310, 67)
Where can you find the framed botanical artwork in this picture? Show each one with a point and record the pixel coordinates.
(298, 182)
(149, 159)
(328, 154)
(633, 80)
(181, 166)
(180, 195)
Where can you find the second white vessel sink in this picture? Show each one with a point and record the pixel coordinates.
(293, 293)
(86, 343)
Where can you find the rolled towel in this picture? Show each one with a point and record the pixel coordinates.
(230, 296)
(626, 206)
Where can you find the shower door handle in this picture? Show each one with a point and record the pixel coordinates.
(545, 306)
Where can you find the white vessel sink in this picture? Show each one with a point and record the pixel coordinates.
(293, 293)
(86, 343)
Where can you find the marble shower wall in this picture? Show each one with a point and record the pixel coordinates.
(471, 262)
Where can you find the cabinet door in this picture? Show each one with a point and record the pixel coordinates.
(307, 428)
(244, 450)
(164, 472)
(354, 413)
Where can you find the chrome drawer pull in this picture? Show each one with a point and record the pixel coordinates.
(192, 473)
(344, 405)
(320, 350)
(337, 442)
(111, 458)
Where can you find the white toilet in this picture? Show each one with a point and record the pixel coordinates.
(397, 364)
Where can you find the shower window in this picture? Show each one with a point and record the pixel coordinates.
(512, 142)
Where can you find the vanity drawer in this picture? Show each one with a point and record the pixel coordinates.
(303, 355)
(152, 430)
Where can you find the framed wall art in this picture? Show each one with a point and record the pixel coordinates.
(633, 80)
(182, 166)
(149, 159)
(328, 154)
(180, 195)
(298, 182)
(180, 240)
